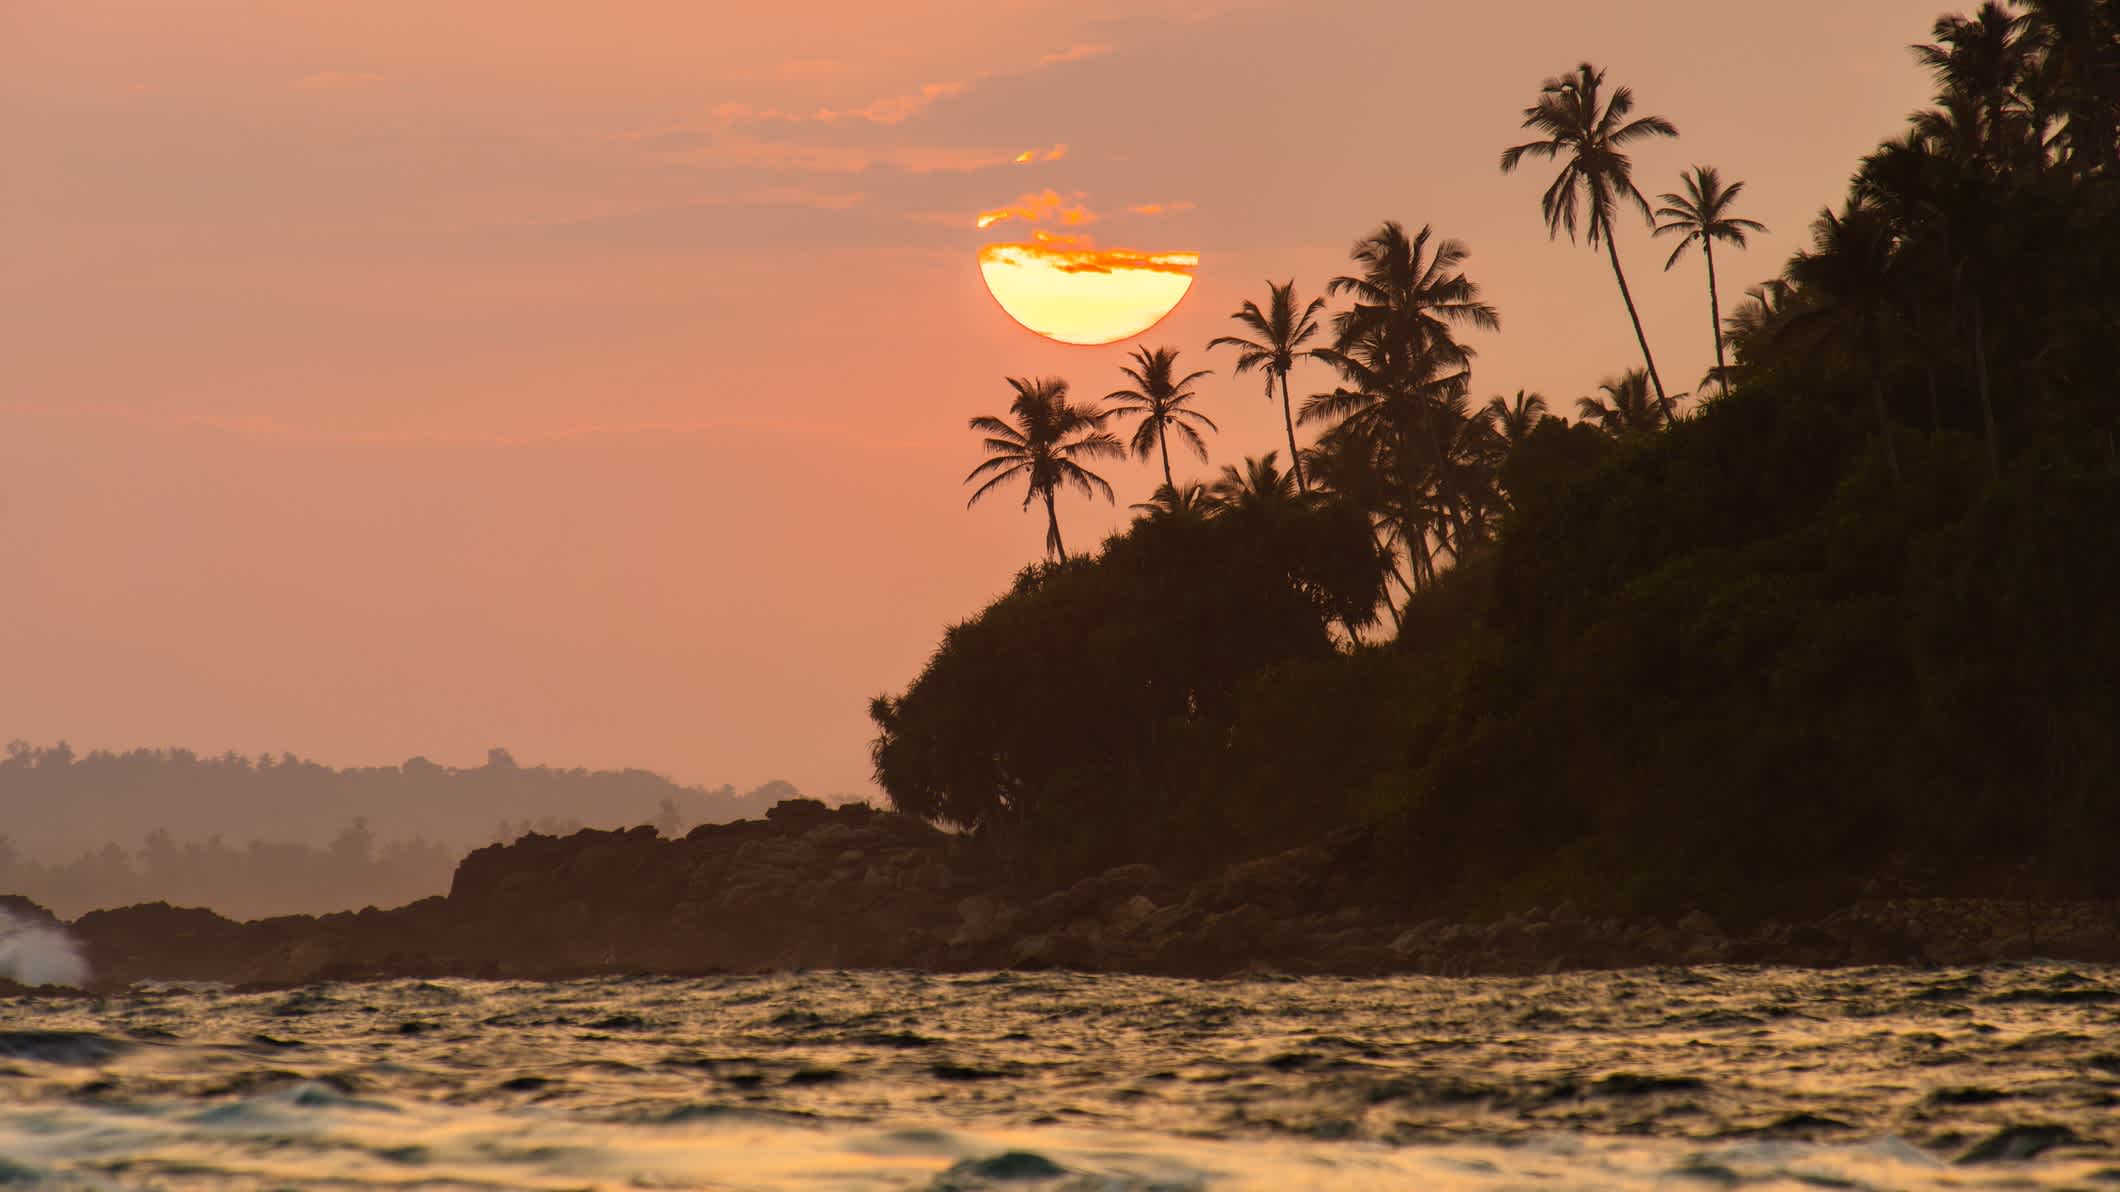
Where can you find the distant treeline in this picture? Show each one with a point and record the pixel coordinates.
(252, 881)
(79, 831)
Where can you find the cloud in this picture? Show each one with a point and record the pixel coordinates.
(1053, 154)
(1045, 205)
(1072, 254)
(758, 153)
(1077, 53)
(336, 80)
(268, 431)
(889, 110)
(1176, 208)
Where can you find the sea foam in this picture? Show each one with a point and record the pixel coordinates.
(33, 953)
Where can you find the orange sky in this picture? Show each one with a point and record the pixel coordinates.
(394, 377)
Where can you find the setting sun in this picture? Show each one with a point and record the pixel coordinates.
(1077, 295)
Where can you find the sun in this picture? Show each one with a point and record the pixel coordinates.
(1066, 291)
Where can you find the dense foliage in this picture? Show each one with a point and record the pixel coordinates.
(1847, 623)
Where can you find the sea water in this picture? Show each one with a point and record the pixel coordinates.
(1700, 1078)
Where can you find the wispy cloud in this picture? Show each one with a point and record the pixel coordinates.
(1077, 53)
(1072, 254)
(269, 431)
(1054, 153)
(1179, 207)
(1045, 205)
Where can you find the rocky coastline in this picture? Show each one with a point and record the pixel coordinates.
(816, 887)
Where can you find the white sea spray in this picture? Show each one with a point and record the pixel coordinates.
(33, 953)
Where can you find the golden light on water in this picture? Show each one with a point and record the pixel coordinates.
(1079, 295)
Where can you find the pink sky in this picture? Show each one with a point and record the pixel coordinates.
(394, 377)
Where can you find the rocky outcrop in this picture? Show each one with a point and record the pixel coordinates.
(852, 887)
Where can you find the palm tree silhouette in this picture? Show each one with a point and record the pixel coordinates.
(1406, 290)
(1281, 331)
(1049, 436)
(1701, 215)
(1188, 501)
(1512, 419)
(2079, 74)
(1589, 135)
(1261, 488)
(1626, 409)
(1848, 282)
(1981, 61)
(1160, 400)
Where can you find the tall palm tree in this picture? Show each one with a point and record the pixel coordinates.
(1045, 446)
(1162, 401)
(1408, 291)
(1983, 60)
(1589, 135)
(1625, 410)
(1701, 215)
(1950, 236)
(1848, 282)
(2078, 47)
(1512, 419)
(1279, 333)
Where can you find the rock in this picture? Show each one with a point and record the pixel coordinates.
(1134, 913)
(1696, 923)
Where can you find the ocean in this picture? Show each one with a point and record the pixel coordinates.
(1673, 1078)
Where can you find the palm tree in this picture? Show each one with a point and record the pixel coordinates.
(1260, 488)
(1044, 446)
(1702, 216)
(1626, 410)
(1512, 420)
(1186, 501)
(2078, 47)
(1280, 332)
(1408, 292)
(1847, 282)
(1982, 60)
(1590, 135)
(1160, 400)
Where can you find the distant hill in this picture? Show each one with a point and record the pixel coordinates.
(56, 804)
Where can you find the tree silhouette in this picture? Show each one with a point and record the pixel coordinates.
(1180, 501)
(1589, 135)
(1410, 295)
(1512, 419)
(1050, 436)
(1259, 488)
(1162, 401)
(1701, 215)
(1626, 409)
(1279, 333)
(1848, 281)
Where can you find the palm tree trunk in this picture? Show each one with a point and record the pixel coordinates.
(1052, 529)
(1295, 457)
(1626, 295)
(1987, 407)
(1722, 368)
(1163, 442)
